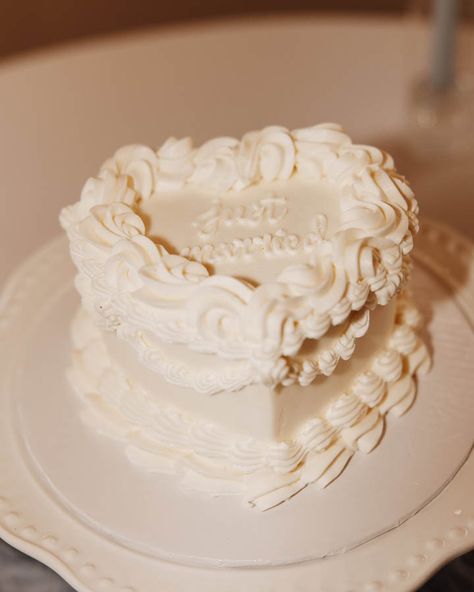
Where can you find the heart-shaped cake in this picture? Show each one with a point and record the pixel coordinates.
(242, 320)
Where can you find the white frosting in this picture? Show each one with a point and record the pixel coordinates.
(231, 375)
(209, 457)
(131, 282)
(369, 388)
(254, 410)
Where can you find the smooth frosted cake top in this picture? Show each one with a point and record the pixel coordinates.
(244, 249)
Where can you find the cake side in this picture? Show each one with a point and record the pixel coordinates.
(209, 457)
(256, 410)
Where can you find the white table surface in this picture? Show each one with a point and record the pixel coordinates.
(63, 111)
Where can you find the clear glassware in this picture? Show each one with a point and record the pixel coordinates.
(438, 143)
(442, 109)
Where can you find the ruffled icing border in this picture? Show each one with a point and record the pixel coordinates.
(232, 375)
(126, 279)
(210, 458)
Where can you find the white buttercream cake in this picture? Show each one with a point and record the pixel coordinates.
(245, 323)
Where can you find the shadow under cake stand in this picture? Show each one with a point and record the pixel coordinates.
(70, 498)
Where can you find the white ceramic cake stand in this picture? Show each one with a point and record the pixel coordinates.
(69, 497)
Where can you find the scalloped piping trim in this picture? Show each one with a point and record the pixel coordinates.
(126, 279)
(233, 375)
(211, 459)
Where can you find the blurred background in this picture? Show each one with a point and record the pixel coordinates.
(28, 25)
(79, 79)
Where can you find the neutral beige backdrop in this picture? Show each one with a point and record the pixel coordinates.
(29, 24)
